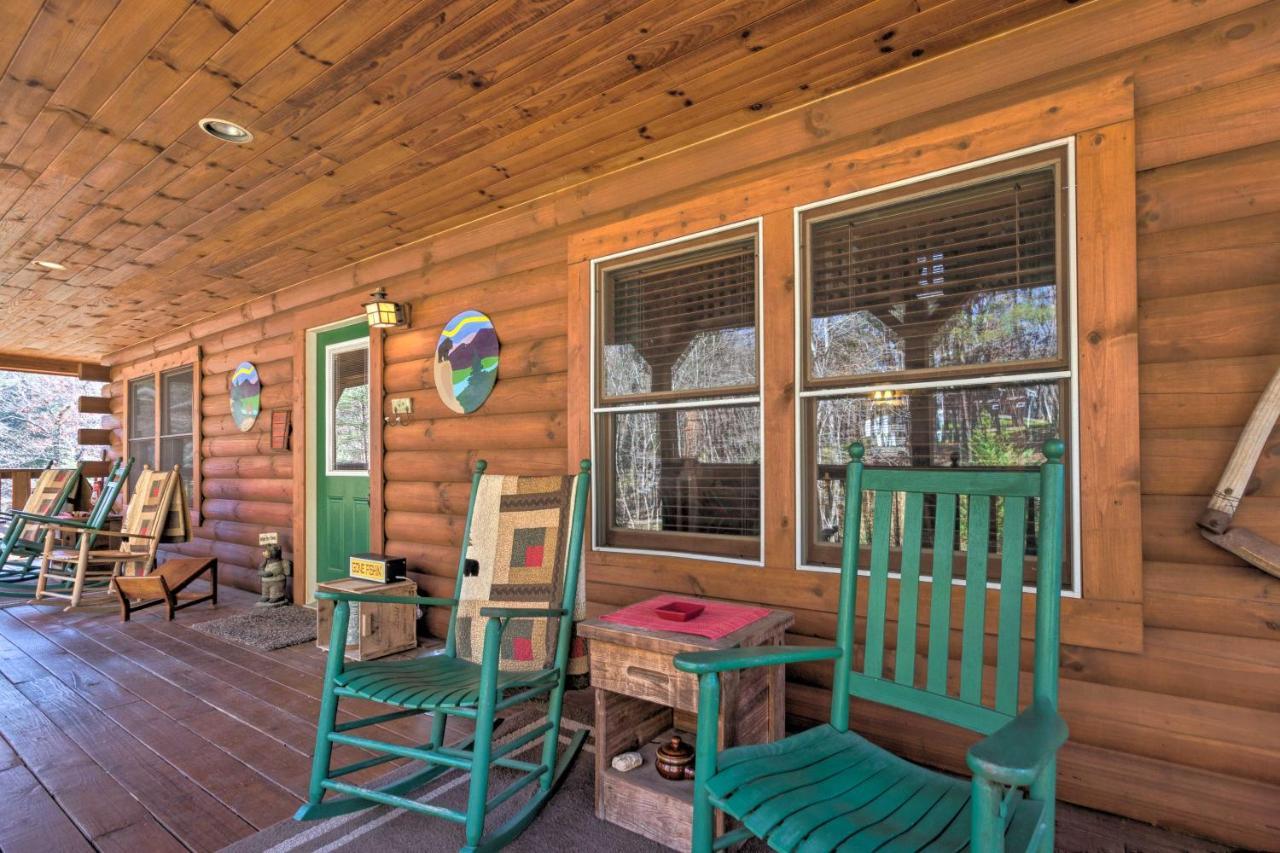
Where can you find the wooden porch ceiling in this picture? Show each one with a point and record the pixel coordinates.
(375, 122)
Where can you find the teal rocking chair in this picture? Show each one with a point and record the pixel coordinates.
(830, 789)
(469, 679)
(23, 544)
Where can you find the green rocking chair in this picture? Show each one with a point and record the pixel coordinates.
(828, 788)
(490, 662)
(24, 541)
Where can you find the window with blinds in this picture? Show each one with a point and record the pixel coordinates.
(935, 330)
(161, 415)
(177, 444)
(676, 400)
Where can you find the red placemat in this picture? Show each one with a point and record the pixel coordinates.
(718, 620)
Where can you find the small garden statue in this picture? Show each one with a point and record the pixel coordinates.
(273, 572)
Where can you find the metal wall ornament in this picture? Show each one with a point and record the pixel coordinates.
(246, 396)
(466, 361)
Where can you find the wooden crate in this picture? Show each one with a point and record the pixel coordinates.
(641, 700)
(375, 630)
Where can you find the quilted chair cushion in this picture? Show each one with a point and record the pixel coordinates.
(520, 538)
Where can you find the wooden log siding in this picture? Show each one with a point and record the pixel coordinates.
(1184, 732)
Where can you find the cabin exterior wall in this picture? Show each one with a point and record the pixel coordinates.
(1183, 729)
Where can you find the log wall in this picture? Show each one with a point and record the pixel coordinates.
(1186, 732)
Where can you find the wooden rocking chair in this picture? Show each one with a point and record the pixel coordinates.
(158, 504)
(828, 788)
(25, 538)
(523, 540)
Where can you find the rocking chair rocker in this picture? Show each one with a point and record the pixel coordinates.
(828, 788)
(521, 542)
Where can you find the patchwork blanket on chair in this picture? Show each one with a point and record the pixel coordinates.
(519, 537)
(158, 508)
(44, 497)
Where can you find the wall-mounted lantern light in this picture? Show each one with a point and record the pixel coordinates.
(385, 314)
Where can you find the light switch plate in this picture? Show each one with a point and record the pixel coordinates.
(401, 406)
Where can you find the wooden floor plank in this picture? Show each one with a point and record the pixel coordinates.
(189, 812)
(247, 699)
(32, 819)
(100, 807)
(287, 767)
(256, 799)
(413, 729)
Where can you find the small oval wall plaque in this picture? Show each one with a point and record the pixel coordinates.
(466, 365)
(246, 396)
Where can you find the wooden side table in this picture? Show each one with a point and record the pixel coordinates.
(375, 630)
(641, 699)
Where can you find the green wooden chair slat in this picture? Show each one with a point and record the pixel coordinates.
(952, 481)
(832, 759)
(848, 821)
(944, 532)
(787, 823)
(1009, 637)
(450, 684)
(873, 656)
(760, 762)
(909, 589)
(975, 599)
(950, 709)
(829, 788)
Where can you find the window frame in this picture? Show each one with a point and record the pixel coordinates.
(604, 537)
(1064, 368)
(155, 369)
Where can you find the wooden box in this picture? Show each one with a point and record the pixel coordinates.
(375, 630)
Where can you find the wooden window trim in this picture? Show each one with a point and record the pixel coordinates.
(1098, 113)
(155, 368)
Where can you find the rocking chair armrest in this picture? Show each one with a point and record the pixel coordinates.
(1016, 753)
(63, 527)
(386, 599)
(724, 660)
(119, 534)
(48, 519)
(523, 612)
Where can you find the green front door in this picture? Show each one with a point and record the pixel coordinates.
(342, 448)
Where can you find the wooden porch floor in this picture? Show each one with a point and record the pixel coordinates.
(149, 736)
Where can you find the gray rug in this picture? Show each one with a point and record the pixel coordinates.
(265, 629)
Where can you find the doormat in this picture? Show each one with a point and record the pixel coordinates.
(266, 629)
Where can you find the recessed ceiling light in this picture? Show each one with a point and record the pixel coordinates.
(227, 131)
(50, 265)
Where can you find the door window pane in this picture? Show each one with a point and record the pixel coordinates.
(349, 409)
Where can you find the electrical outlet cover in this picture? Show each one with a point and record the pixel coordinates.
(402, 406)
